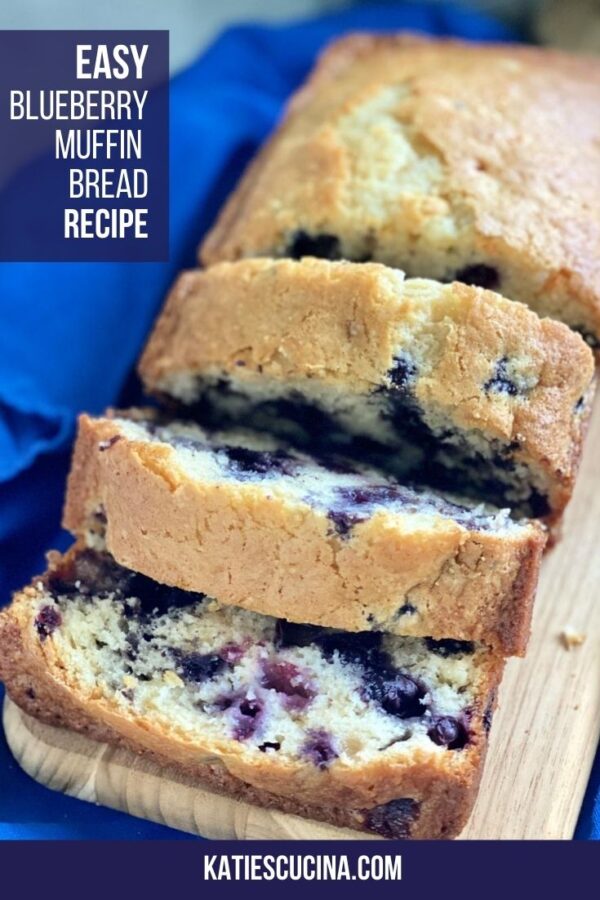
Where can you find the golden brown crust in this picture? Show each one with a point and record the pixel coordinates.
(317, 325)
(261, 553)
(444, 787)
(436, 154)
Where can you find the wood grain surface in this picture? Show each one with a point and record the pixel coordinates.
(542, 745)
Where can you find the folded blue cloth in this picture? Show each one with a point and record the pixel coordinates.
(71, 333)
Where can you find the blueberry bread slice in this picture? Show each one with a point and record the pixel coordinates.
(377, 733)
(273, 530)
(448, 384)
(450, 160)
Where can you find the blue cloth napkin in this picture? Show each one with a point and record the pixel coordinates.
(71, 333)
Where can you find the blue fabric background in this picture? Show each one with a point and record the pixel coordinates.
(70, 333)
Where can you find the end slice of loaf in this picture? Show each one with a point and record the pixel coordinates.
(374, 732)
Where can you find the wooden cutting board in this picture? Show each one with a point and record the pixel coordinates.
(542, 745)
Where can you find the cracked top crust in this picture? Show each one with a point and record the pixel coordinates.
(436, 156)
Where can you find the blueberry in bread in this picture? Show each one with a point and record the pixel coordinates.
(450, 385)
(450, 160)
(264, 527)
(378, 733)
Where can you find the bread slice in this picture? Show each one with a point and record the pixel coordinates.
(450, 160)
(278, 532)
(378, 733)
(449, 384)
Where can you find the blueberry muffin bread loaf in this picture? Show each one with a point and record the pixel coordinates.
(278, 532)
(450, 385)
(450, 160)
(378, 733)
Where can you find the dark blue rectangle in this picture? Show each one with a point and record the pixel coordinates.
(429, 871)
(38, 78)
